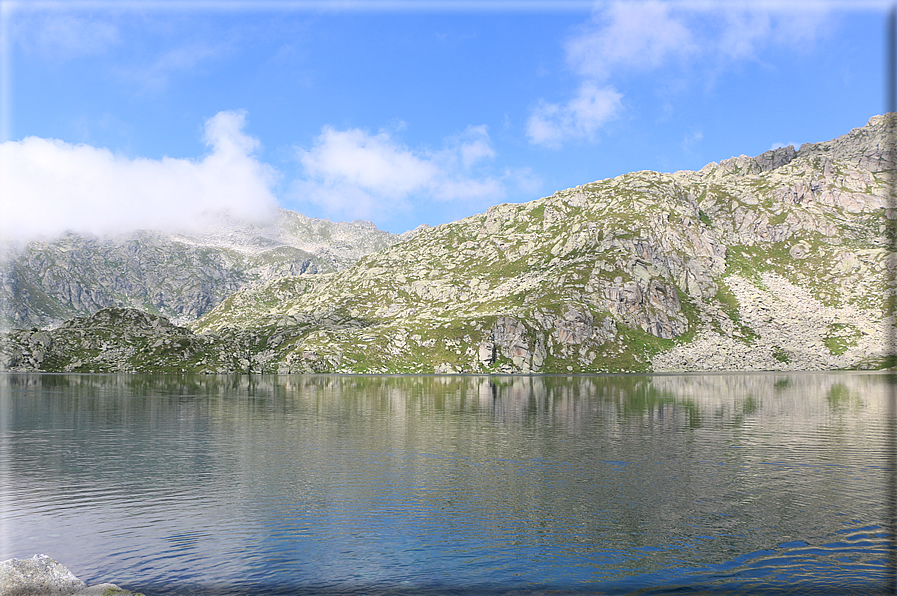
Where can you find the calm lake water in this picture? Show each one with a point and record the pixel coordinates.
(752, 483)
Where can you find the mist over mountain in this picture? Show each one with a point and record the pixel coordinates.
(179, 275)
(779, 261)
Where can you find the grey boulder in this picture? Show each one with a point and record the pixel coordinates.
(43, 576)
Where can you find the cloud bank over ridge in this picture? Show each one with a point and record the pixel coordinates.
(49, 187)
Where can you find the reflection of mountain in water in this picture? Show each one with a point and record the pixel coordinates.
(575, 403)
(543, 482)
(744, 393)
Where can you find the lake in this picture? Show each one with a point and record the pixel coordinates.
(725, 483)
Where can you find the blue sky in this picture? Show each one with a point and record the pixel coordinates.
(150, 114)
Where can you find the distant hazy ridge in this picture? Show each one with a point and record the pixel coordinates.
(181, 276)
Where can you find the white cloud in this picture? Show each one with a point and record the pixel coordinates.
(679, 40)
(552, 124)
(49, 186)
(780, 145)
(641, 35)
(746, 31)
(372, 162)
(60, 36)
(743, 32)
(357, 174)
(473, 145)
(691, 139)
(648, 35)
(180, 59)
(523, 179)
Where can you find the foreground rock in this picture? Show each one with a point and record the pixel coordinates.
(43, 576)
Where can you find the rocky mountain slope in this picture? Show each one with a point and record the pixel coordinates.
(181, 276)
(780, 261)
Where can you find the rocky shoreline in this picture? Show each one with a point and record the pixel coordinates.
(43, 576)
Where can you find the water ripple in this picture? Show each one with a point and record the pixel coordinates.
(410, 486)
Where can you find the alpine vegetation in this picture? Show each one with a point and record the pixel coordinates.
(774, 262)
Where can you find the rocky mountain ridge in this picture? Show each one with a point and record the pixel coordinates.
(780, 261)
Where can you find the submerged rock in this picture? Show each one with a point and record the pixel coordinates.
(43, 576)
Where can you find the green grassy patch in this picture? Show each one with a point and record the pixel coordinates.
(729, 305)
(780, 354)
(840, 337)
(810, 272)
(728, 301)
(741, 260)
(778, 219)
